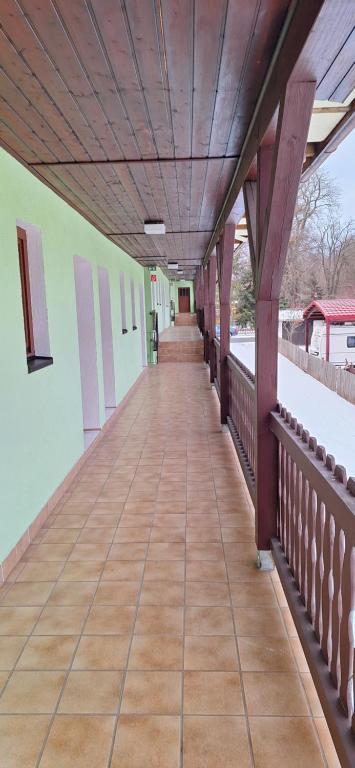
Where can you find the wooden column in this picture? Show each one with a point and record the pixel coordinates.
(225, 252)
(278, 175)
(212, 271)
(206, 313)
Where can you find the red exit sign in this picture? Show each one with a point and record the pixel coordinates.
(153, 278)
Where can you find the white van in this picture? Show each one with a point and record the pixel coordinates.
(341, 342)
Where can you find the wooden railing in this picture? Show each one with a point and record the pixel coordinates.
(315, 557)
(217, 347)
(241, 419)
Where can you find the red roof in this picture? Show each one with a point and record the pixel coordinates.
(331, 310)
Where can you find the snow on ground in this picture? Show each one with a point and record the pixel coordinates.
(328, 417)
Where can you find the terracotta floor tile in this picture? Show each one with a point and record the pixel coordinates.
(196, 520)
(212, 693)
(60, 620)
(28, 593)
(72, 593)
(52, 653)
(128, 551)
(152, 741)
(201, 535)
(68, 521)
(18, 621)
(102, 521)
(78, 740)
(96, 536)
(162, 535)
(208, 621)
(83, 552)
(117, 593)
(327, 743)
(204, 551)
(93, 692)
(21, 739)
(311, 694)
(287, 741)
(159, 620)
(4, 676)
(10, 649)
(255, 620)
(151, 652)
(32, 692)
(134, 520)
(216, 742)
(251, 593)
(210, 653)
(139, 534)
(205, 571)
(274, 693)
(240, 534)
(125, 570)
(60, 536)
(39, 572)
(157, 570)
(163, 520)
(47, 552)
(152, 693)
(89, 571)
(110, 620)
(166, 552)
(102, 652)
(260, 654)
(162, 593)
(207, 593)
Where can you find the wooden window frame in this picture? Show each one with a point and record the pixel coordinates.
(26, 291)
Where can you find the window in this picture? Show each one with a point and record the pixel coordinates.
(123, 303)
(133, 303)
(34, 306)
(350, 342)
(26, 291)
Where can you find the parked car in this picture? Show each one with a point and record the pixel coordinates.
(341, 342)
(233, 330)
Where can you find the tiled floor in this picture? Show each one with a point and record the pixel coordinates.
(136, 632)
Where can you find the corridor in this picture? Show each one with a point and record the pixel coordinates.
(136, 630)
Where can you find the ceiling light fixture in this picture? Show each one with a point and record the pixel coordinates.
(173, 265)
(154, 228)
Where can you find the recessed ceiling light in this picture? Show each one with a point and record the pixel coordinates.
(154, 228)
(173, 265)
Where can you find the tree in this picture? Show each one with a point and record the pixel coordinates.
(243, 292)
(335, 245)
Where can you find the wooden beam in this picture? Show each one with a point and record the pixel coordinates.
(284, 177)
(278, 183)
(297, 26)
(134, 161)
(249, 193)
(322, 150)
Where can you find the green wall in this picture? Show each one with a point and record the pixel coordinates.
(41, 413)
(175, 284)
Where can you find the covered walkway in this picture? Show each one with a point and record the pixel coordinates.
(136, 629)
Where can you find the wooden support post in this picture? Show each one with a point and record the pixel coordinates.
(279, 171)
(206, 314)
(225, 265)
(212, 270)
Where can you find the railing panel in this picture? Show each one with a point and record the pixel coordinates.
(218, 364)
(316, 528)
(242, 416)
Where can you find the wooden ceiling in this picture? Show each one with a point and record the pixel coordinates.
(138, 109)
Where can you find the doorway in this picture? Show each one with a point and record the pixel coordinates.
(106, 341)
(87, 348)
(184, 299)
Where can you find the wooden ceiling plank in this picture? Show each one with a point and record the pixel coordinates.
(25, 133)
(210, 20)
(55, 40)
(35, 73)
(149, 53)
(26, 112)
(214, 169)
(342, 71)
(238, 31)
(177, 18)
(85, 37)
(125, 177)
(154, 176)
(13, 144)
(198, 176)
(111, 24)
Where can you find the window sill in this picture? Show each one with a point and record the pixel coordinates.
(36, 363)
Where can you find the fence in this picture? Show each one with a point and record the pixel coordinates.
(340, 381)
(315, 556)
(217, 347)
(241, 420)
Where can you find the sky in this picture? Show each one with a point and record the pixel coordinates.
(341, 166)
